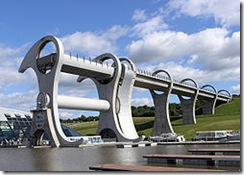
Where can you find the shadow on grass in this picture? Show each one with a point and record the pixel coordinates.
(179, 124)
(144, 126)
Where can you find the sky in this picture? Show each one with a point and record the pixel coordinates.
(198, 39)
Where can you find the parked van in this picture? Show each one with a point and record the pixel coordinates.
(168, 137)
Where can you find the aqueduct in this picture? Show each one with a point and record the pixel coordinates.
(114, 84)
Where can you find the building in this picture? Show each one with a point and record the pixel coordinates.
(15, 127)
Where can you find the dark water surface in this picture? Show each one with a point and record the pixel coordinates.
(80, 159)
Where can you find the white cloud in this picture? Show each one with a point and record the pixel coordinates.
(139, 15)
(149, 26)
(225, 12)
(202, 77)
(94, 43)
(158, 46)
(66, 115)
(141, 102)
(19, 100)
(235, 89)
(10, 61)
(69, 86)
(210, 52)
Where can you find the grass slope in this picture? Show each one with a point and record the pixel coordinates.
(234, 107)
(227, 117)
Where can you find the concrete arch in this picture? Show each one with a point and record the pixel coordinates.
(116, 63)
(223, 90)
(108, 133)
(208, 85)
(37, 137)
(208, 105)
(164, 71)
(190, 79)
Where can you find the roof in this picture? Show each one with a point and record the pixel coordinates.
(12, 113)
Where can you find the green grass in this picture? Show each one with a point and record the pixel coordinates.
(227, 117)
(208, 123)
(234, 107)
(85, 128)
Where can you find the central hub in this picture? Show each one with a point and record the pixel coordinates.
(46, 63)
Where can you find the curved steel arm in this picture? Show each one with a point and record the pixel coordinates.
(208, 85)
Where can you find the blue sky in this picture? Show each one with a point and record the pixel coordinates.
(195, 39)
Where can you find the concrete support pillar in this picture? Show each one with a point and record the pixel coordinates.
(162, 122)
(188, 105)
(208, 105)
(188, 109)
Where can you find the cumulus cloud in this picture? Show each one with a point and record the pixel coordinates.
(235, 89)
(180, 72)
(10, 61)
(225, 12)
(149, 26)
(139, 15)
(141, 102)
(19, 100)
(69, 86)
(211, 51)
(65, 115)
(92, 43)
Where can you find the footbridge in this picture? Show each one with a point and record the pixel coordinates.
(114, 84)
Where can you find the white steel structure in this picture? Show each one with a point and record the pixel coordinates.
(114, 84)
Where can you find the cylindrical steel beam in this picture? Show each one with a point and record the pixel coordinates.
(77, 103)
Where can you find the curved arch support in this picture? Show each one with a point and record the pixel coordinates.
(188, 105)
(164, 71)
(223, 90)
(162, 122)
(208, 105)
(30, 60)
(124, 96)
(208, 85)
(111, 91)
(227, 92)
(190, 79)
(132, 65)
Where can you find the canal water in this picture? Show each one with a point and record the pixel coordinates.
(80, 159)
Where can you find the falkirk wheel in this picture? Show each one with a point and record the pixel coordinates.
(114, 85)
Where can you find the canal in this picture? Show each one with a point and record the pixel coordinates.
(80, 159)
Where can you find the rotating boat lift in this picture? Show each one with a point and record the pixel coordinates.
(114, 84)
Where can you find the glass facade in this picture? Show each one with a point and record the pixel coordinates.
(15, 127)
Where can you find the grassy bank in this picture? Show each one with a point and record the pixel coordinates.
(227, 117)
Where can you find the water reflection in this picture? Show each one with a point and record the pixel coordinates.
(80, 159)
